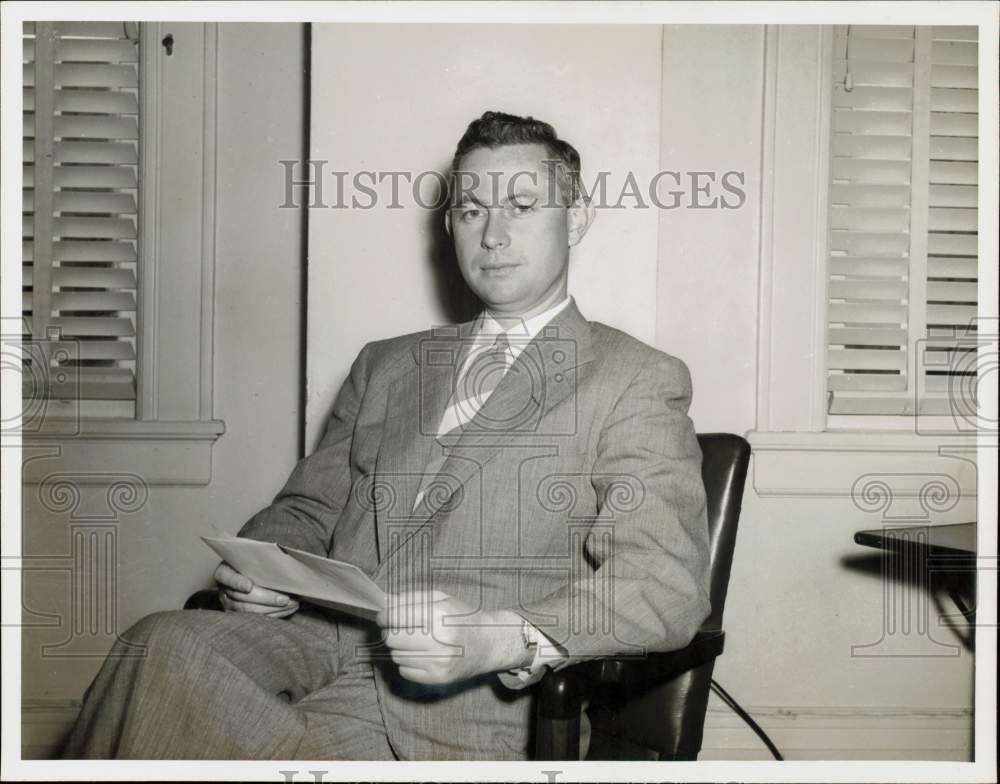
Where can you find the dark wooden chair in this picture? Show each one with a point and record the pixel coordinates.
(651, 707)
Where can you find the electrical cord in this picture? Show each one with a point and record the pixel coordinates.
(738, 710)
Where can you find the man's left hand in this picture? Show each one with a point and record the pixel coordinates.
(434, 638)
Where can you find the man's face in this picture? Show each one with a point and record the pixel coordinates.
(512, 235)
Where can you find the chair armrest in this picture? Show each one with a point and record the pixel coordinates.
(203, 600)
(563, 692)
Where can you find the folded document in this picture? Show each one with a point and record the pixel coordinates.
(318, 580)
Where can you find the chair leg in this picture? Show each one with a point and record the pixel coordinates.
(560, 705)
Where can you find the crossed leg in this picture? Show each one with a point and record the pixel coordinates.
(232, 685)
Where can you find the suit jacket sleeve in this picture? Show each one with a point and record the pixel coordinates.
(646, 585)
(304, 514)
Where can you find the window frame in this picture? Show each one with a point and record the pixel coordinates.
(170, 438)
(799, 448)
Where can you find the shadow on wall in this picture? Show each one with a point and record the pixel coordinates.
(455, 298)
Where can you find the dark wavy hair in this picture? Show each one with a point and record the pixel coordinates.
(498, 129)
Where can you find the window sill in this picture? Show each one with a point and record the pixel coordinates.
(94, 450)
(836, 464)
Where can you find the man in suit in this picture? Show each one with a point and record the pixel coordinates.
(526, 487)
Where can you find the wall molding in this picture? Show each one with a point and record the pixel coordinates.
(800, 732)
(837, 464)
(841, 733)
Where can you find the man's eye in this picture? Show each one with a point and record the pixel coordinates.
(523, 209)
(471, 215)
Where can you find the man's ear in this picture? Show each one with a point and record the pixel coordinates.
(447, 221)
(579, 216)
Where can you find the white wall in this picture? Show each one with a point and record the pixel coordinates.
(257, 380)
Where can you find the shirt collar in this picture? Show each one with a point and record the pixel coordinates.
(522, 331)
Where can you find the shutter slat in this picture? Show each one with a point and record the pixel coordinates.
(889, 99)
(944, 99)
(952, 267)
(892, 219)
(859, 336)
(952, 245)
(851, 195)
(960, 76)
(97, 127)
(103, 350)
(958, 315)
(954, 173)
(67, 250)
(954, 124)
(94, 277)
(93, 301)
(883, 148)
(96, 228)
(868, 290)
(83, 29)
(80, 75)
(952, 219)
(875, 74)
(871, 313)
(882, 31)
(96, 152)
(96, 383)
(954, 196)
(950, 148)
(95, 177)
(97, 50)
(84, 202)
(861, 359)
(868, 266)
(951, 291)
(872, 123)
(94, 326)
(854, 243)
(866, 382)
(97, 102)
(875, 49)
(876, 172)
(955, 52)
(955, 33)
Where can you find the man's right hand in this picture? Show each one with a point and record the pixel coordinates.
(238, 594)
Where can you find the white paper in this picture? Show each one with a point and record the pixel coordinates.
(313, 578)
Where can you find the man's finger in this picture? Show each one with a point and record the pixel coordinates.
(229, 577)
(258, 595)
(408, 641)
(258, 609)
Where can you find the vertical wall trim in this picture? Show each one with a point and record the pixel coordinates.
(765, 250)
(148, 251)
(208, 233)
(824, 90)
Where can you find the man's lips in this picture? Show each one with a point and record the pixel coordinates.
(498, 265)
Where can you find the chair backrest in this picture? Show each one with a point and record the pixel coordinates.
(724, 463)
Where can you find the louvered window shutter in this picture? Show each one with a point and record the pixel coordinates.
(901, 291)
(79, 235)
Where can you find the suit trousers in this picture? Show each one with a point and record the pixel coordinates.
(196, 684)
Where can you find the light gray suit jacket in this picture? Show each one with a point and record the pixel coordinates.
(574, 497)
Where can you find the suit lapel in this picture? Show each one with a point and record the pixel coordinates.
(543, 376)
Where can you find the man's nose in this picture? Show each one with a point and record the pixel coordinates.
(495, 232)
